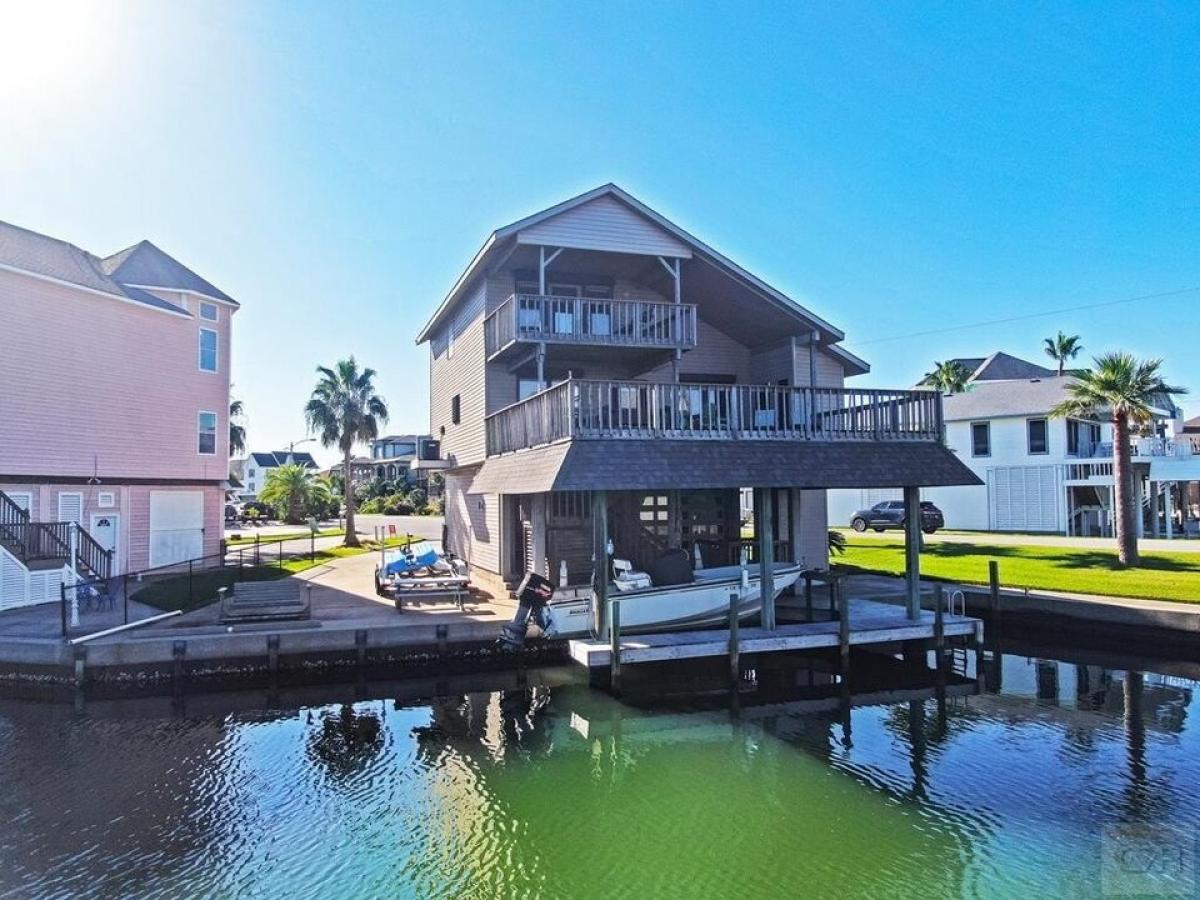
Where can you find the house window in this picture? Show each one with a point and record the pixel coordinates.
(207, 433)
(981, 439)
(1039, 438)
(251, 473)
(208, 311)
(1083, 438)
(455, 409)
(208, 350)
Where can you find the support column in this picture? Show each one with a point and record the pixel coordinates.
(1155, 524)
(912, 550)
(764, 531)
(1169, 510)
(1138, 496)
(599, 562)
(541, 364)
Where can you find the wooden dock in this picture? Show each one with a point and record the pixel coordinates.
(870, 622)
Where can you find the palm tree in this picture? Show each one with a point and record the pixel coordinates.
(1061, 348)
(949, 377)
(293, 489)
(1124, 388)
(237, 431)
(344, 410)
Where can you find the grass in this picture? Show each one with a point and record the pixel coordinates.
(1160, 576)
(275, 538)
(172, 592)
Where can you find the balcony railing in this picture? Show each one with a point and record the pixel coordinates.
(584, 320)
(582, 409)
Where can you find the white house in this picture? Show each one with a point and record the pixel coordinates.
(1042, 473)
(256, 467)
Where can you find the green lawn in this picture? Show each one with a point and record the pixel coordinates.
(245, 539)
(174, 592)
(1160, 576)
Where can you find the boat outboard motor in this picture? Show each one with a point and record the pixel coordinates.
(533, 597)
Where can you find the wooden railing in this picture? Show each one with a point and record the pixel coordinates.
(576, 409)
(585, 320)
(29, 541)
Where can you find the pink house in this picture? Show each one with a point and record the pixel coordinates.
(113, 413)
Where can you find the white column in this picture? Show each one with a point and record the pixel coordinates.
(1169, 510)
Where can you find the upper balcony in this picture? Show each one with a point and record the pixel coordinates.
(587, 409)
(526, 319)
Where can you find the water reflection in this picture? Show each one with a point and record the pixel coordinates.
(991, 774)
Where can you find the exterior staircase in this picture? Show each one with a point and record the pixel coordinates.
(35, 557)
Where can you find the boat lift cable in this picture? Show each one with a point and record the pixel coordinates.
(1037, 315)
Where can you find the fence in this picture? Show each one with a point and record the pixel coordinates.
(93, 605)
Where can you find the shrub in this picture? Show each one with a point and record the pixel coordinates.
(433, 508)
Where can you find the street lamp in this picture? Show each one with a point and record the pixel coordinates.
(292, 446)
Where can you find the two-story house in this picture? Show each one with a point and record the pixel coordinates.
(1039, 473)
(597, 363)
(255, 468)
(113, 414)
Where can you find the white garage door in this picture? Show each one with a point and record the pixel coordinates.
(1024, 498)
(176, 526)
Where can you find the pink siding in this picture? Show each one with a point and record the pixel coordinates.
(98, 384)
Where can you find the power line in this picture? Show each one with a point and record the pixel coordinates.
(1022, 318)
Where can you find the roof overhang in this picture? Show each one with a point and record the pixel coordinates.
(585, 465)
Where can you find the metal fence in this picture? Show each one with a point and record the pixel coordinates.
(93, 605)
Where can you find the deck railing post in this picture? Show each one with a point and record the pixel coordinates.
(62, 593)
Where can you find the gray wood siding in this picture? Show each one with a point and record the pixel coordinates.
(715, 354)
(774, 364)
(604, 224)
(829, 369)
(472, 522)
(463, 373)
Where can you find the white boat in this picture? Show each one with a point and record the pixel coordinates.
(675, 607)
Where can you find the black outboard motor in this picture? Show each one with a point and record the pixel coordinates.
(533, 596)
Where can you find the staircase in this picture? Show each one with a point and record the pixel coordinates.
(34, 553)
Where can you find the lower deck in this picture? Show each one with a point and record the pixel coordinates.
(870, 623)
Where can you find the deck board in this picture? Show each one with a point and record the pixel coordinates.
(870, 623)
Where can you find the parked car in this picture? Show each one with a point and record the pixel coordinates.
(890, 514)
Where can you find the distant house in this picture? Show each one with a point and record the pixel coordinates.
(257, 466)
(113, 413)
(1040, 473)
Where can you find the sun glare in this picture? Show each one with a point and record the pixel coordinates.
(49, 48)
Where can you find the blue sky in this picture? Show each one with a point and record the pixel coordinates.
(897, 168)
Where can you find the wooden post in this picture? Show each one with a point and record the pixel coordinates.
(808, 595)
(994, 583)
(735, 666)
(614, 630)
(939, 621)
(843, 610)
(599, 561)
(912, 550)
(764, 527)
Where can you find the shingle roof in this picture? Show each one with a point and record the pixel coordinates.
(987, 400)
(584, 465)
(141, 264)
(999, 366)
(145, 264)
(280, 457)
(1192, 426)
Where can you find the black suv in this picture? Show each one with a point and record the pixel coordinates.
(890, 514)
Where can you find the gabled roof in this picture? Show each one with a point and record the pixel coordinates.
(145, 265)
(280, 457)
(502, 235)
(998, 399)
(999, 366)
(1192, 425)
(123, 275)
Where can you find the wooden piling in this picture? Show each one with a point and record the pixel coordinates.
(843, 610)
(273, 655)
(735, 665)
(994, 583)
(939, 621)
(808, 595)
(614, 663)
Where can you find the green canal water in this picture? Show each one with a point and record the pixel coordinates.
(1049, 778)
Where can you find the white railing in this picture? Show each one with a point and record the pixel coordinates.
(585, 409)
(585, 320)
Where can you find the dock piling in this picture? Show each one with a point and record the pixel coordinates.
(735, 664)
(994, 583)
(939, 621)
(273, 655)
(614, 630)
(843, 612)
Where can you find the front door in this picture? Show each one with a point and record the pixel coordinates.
(104, 530)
